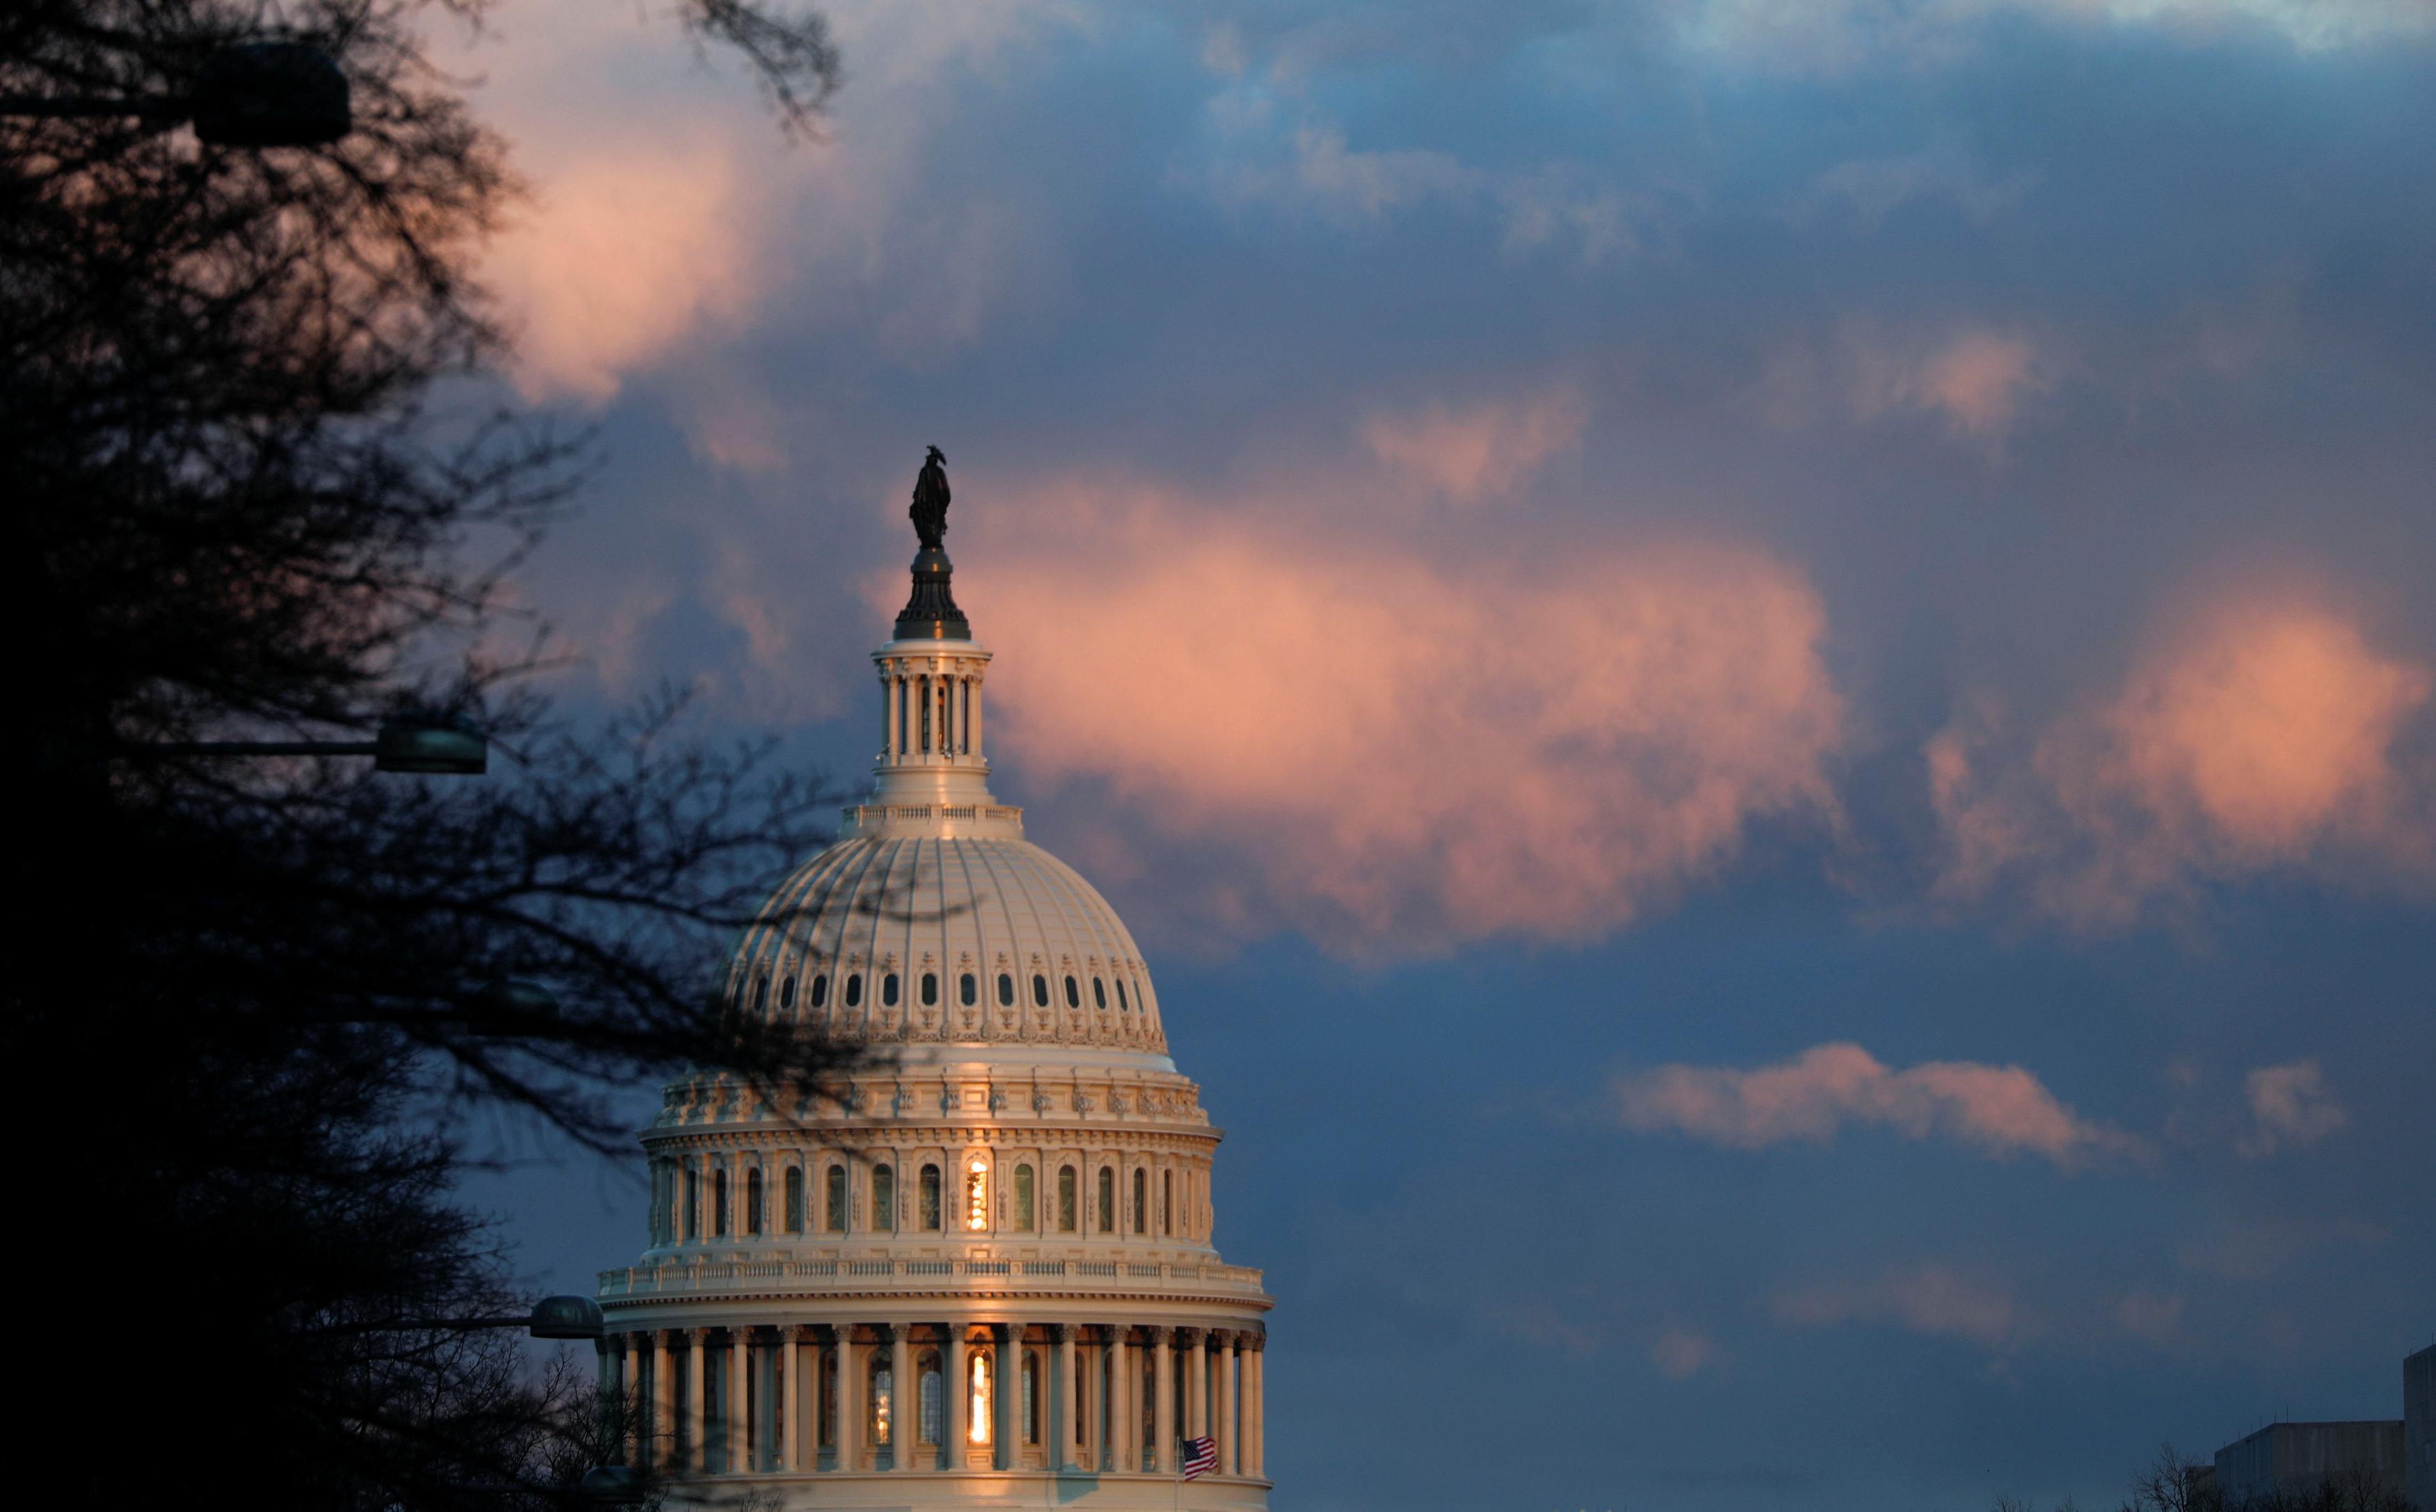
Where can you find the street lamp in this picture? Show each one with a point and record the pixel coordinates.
(414, 743)
(246, 94)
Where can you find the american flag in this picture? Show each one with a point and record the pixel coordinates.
(1200, 1457)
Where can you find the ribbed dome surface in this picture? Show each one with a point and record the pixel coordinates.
(885, 937)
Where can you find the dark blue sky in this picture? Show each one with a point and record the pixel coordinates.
(1761, 673)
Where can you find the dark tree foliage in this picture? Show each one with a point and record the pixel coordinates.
(251, 993)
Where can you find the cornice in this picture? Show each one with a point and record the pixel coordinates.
(1086, 1134)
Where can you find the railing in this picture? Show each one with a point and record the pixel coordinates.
(873, 812)
(695, 1276)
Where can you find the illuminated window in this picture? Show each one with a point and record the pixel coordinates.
(980, 1403)
(854, 992)
(1065, 1199)
(888, 990)
(752, 1202)
(1023, 1198)
(884, 1198)
(795, 1199)
(1039, 990)
(1142, 1202)
(933, 1402)
(836, 1203)
(883, 1382)
(1005, 990)
(969, 990)
(930, 988)
(1108, 1200)
(1073, 994)
(977, 1196)
(821, 992)
(1100, 994)
(718, 1203)
(931, 1196)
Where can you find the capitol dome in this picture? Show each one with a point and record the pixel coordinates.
(976, 1267)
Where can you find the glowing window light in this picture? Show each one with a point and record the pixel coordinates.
(980, 1416)
(977, 1196)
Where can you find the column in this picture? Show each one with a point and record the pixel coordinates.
(630, 1401)
(1164, 1396)
(1061, 1398)
(904, 1399)
(851, 1410)
(955, 1398)
(973, 736)
(792, 1421)
(659, 1405)
(1256, 1408)
(1196, 1386)
(696, 1446)
(738, 1419)
(1228, 1463)
(1124, 1403)
(1006, 1453)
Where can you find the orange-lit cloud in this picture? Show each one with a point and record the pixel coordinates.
(2290, 1106)
(1976, 379)
(2001, 1109)
(1399, 749)
(2266, 734)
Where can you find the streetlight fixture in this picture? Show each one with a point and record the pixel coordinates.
(414, 743)
(246, 94)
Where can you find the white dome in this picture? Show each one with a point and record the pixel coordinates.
(882, 938)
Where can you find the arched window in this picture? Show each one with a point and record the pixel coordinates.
(884, 1198)
(1108, 1200)
(1167, 1202)
(854, 992)
(821, 992)
(933, 1406)
(718, 1203)
(1100, 994)
(1142, 1202)
(760, 992)
(1039, 990)
(888, 990)
(931, 1196)
(1065, 1199)
(1073, 994)
(930, 988)
(1023, 1198)
(976, 1194)
(795, 1199)
(980, 1401)
(967, 990)
(1121, 1006)
(880, 1396)
(1031, 1398)
(836, 1203)
(753, 1201)
(787, 994)
(1005, 990)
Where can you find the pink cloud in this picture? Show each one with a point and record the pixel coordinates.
(2291, 1107)
(1927, 1298)
(1976, 379)
(2001, 1109)
(1467, 455)
(1679, 1353)
(2264, 733)
(1394, 750)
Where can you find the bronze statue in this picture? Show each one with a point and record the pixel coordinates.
(929, 508)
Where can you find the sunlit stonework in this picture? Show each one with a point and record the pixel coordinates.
(979, 1274)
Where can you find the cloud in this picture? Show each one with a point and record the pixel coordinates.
(1392, 748)
(1977, 379)
(2001, 1109)
(1483, 451)
(2291, 1107)
(1927, 1298)
(1679, 1353)
(1872, 188)
(2267, 732)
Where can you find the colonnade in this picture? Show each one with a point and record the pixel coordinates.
(797, 1399)
(929, 714)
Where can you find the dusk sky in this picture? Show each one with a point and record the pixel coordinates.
(1760, 672)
